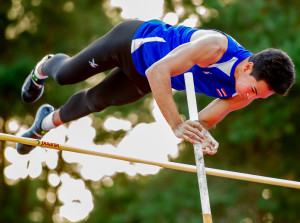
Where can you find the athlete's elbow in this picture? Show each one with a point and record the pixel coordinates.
(149, 72)
(151, 75)
(156, 72)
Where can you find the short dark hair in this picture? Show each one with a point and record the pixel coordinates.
(274, 67)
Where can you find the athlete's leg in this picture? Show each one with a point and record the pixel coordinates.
(102, 55)
(109, 51)
(115, 90)
(122, 86)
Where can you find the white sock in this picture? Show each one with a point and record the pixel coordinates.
(38, 75)
(40, 64)
(47, 123)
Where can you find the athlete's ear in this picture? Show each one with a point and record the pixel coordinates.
(249, 66)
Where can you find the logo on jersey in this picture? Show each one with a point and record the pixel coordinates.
(207, 72)
(93, 64)
(222, 92)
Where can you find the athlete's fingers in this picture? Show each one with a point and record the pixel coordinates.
(189, 139)
(196, 124)
(189, 131)
(193, 135)
(192, 129)
(209, 147)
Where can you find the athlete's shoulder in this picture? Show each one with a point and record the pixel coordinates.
(214, 37)
(210, 40)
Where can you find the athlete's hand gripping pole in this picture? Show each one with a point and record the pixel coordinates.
(193, 113)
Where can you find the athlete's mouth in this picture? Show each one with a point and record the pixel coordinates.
(241, 94)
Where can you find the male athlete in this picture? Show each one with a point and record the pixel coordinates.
(152, 57)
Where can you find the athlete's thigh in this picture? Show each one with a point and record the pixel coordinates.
(116, 89)
(103, 54)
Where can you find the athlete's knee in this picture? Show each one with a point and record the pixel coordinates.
(95, 101)
(60, 79)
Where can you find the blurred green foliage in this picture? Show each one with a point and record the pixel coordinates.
(260, 139)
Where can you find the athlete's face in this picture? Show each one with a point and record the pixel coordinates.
(248, 87)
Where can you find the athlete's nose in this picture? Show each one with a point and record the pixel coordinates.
(251, 95)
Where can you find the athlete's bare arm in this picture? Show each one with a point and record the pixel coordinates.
(219, 108)
(205, 49)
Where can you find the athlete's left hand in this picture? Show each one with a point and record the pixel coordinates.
(209, 144)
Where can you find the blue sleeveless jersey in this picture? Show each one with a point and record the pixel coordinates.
(155, 39)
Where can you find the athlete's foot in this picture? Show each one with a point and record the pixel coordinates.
(33, 87)
(35, 130)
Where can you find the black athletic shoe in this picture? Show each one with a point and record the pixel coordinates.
(33, 87)
(35, 131)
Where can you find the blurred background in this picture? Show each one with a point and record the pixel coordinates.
(52, 186)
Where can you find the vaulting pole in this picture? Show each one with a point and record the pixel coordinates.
(169, 165)
(202, 182)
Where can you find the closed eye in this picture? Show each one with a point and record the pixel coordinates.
(254, 90)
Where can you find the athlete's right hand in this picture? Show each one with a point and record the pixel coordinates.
(191, 131)
(194, 132)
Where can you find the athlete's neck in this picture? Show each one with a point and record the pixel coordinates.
(240, 68)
